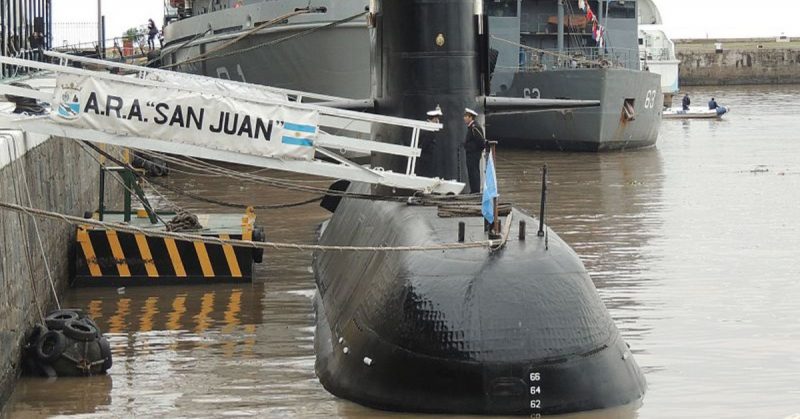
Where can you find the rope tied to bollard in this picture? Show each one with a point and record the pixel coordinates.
(126, 228)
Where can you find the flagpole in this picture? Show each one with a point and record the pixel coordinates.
(496, 223)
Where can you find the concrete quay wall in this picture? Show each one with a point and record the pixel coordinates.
(61, 177)
(740, 62)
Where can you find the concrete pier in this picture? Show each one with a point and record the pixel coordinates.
(738, 62)
(60, 177)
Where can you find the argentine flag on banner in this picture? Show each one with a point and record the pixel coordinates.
(298, 134)
(489, 190)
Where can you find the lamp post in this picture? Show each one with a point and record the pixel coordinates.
(100, 24)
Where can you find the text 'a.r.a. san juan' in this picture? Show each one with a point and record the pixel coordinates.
(189, 117)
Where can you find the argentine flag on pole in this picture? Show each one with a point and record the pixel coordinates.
(489, 190)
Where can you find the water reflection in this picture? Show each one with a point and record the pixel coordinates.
(354, 411)
(606, 206)
(693, 251)
(248, 350)
(39, 398)
(195, 309)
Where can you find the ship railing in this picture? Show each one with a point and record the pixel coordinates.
(656, 54)
(536, 60)
(176, 10)
(15, 72)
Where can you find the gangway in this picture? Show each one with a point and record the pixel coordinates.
(223, 86)
(214, 119)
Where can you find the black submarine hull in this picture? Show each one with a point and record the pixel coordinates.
(517, 331)
(520, 330)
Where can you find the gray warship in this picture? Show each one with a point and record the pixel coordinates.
(542, 49)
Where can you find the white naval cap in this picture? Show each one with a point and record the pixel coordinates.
(435, 112)
(468, 111)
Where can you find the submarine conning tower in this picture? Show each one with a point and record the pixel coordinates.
(427, 53)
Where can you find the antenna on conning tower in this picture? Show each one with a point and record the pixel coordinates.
(543, 202)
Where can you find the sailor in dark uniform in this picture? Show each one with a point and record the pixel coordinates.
(427, 143)
(474, 145)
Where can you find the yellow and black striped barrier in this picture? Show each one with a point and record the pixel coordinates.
(105, 257)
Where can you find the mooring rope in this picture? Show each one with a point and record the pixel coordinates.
(127, 228)
(178, 191)
(204, 56)
(207, 55)
(38, 231)
(12, 152)
(291, 186)
(140, 156)
(233, 204)
(85, 144)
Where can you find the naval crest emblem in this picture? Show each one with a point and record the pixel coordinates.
(69, 106)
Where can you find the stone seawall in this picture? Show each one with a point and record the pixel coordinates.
(740, 62)
(61, 177)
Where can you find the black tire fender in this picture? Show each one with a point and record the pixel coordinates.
(56, 319)
(51, 345)
(80, 330)
(34, 335)
(90, 322)
(105, 352)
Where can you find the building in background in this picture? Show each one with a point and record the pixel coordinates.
(656, 50)
(25, 29)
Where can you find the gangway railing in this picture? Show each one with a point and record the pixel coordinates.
(333, 117)
(278, 133)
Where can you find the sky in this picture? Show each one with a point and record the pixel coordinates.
(682, 18)
(120, 15)
(729, 18)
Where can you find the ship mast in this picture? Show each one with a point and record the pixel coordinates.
(560, 28)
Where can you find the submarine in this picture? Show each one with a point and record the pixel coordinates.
(515, 330)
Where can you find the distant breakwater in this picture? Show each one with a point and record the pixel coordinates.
(738, 61)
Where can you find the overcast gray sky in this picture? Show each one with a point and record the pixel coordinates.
(120, 15)
(682, 18)
(729, 18)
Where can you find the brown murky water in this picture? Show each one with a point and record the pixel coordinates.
(694, 247)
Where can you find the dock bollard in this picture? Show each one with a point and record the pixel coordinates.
(522, 230)
(461, 231)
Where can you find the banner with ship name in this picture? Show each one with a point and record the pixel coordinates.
(199, 119)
